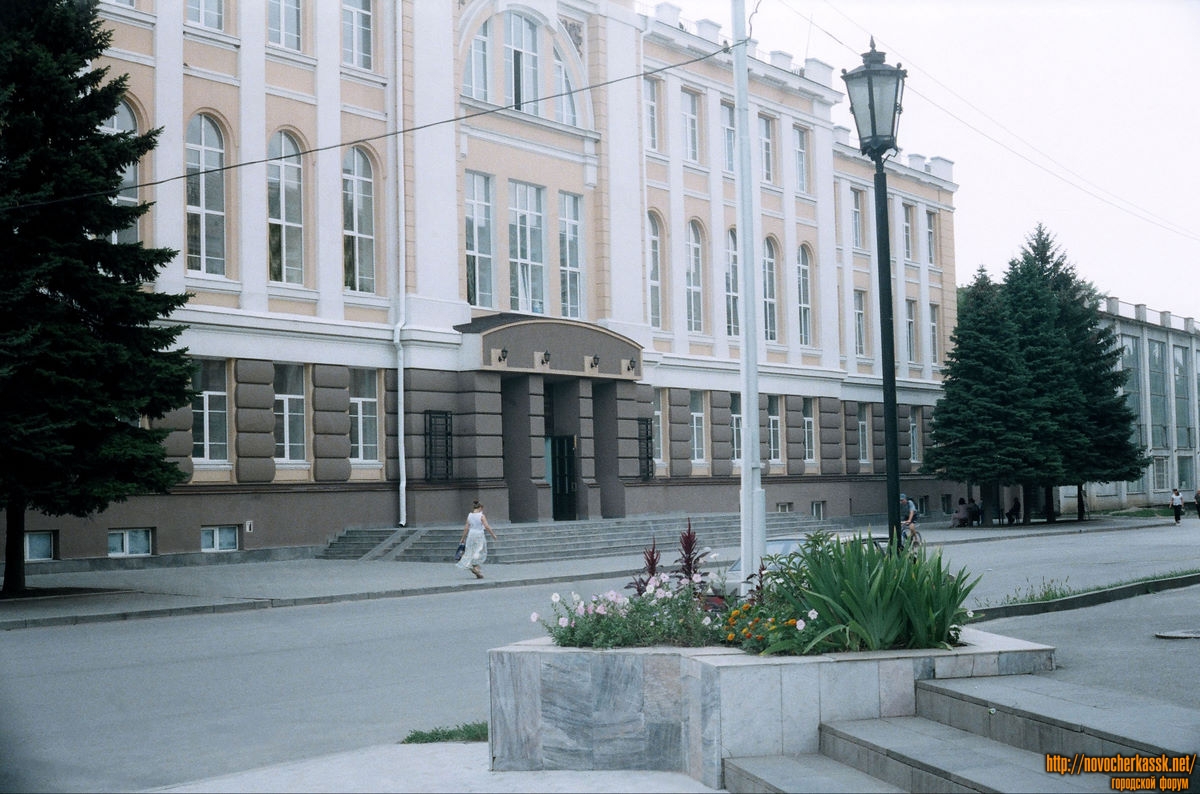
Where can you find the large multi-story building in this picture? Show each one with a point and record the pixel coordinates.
(440, 251)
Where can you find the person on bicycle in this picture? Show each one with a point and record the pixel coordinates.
(908, 517)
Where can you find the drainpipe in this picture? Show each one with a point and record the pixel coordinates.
(401, 287)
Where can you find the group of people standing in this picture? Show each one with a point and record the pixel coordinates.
(968, 513)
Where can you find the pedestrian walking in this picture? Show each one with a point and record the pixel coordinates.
(473, 540)
(1198, 503)
(1177, 504)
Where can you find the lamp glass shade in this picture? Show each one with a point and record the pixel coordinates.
(874, 90)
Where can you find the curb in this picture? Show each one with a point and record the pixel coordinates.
(1089, 599)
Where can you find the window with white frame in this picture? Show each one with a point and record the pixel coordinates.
(358, 215)
(691, 127)
(285, 211)
(696, 409)
(931, 237)
(205, 197)
(650, 88)
(219, 538)
(935, 347)
(804, 294)
(1157, 369)
(810, 430)
(209, 13)
(910, 328)
(1183, 400)
(283, 23)
(1162, 472)
(695, 273)
(526, 244)
(570, 271)
(818, 510)
(130, 542)
(729, 129)
(774, 429)
(364, 415)
(659, 430)
(860, 322)
(210, 410)
(733, 326)
(856, 217)
(770, 321)
(476, 77)
(564, 98)
(357, 33)
(521, 63)
(127, 195)
(800, 145)
(735, 426)
(864, 435)
(766, 143)
(39, 546)
(477, 190)
(910, 241)
(914, 435)
(289, 412)
(654, 270)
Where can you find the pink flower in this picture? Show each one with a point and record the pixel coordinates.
(696, 577)
(799, 625)
(600, 610)
(556, 598)
(812, 614)
(533, 618)
(563, 622)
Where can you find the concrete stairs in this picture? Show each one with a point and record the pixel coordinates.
(357, 543)
(981, 734)
(549, 541)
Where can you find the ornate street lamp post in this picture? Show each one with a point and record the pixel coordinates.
(874, 90)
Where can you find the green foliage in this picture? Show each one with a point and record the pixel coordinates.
(466, 732)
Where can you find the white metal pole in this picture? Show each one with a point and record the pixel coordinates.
(753, 499)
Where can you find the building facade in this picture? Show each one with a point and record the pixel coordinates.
(488, 249)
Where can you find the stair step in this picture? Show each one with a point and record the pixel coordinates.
(918, 754)
(777, 774)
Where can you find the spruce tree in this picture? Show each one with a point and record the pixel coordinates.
(86, 354)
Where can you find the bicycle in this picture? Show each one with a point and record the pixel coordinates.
(910, 537)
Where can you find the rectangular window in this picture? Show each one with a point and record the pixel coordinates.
(654, 270)
(645, 447)
(658, 426)
(910, 327)
(222, 538)
(735, 426)
(696, 407)
(570, 272)
(800, 144)
(475, 75)
(695, 283)
(478, 238)
(364, 415)
(856, 217)
(39, 546)
(1131, 364)
(1184, 463)
(803, 292)
(283, 23)
(1157, 368)
(289, 412)
(129, 542)
(1183, 401)
(766, 132)
(935, 347)
(208, 13)
(770, 325)
(526, 255)
(910, 241)
(860, 322)
(931, 237)
(810, 431)
(864, 435)
(439, 446)
(356, 33)
(914, 436)
(650, 90)
(521, 64)
(1162, 473)
(774, 429)
(691, 127)
(730, 132)
(818, 510)
(733, 323)
(210, 410)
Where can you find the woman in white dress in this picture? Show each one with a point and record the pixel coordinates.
(475, 541)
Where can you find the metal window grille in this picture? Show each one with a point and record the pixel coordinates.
(645, 448)
(439, 449)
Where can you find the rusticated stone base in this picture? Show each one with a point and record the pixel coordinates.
(687, 709)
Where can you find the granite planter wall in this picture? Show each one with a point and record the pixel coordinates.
(687, 709)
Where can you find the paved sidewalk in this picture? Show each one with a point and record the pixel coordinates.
(1133, 660)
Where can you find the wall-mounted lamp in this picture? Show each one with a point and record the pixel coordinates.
(503, 354)
(632, 365)
(595, 362)
(546, 357)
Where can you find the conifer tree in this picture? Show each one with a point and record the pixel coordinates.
(86, 357)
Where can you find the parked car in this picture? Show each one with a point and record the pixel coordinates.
(776, 549)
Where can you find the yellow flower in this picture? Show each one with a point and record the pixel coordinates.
(729, 637)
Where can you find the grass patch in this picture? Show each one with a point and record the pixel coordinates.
(1137, 512)
(470, 732)
(1052, 589)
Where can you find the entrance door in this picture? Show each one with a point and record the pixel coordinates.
(562, 477)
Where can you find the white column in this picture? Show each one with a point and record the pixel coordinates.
(170, 198)
(327, 193)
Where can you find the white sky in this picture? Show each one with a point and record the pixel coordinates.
(1072, 113)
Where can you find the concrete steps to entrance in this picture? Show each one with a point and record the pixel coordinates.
(980, 734)
(356, 542)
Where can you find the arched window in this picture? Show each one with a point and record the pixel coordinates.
(479, 63)
(564, 100)
(733, 325)
(358, 214)
(803, 292)
(695, 275)
(285, 210)
(205, 197)
(654, 270)
(770, 322)
(127, 196)
(521, 80)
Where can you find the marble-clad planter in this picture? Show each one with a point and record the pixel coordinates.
(687, 709)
